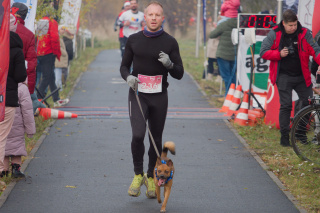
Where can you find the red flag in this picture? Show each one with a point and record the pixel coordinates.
(4, 52)
(315, 18)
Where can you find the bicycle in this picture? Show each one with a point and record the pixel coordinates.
(305, 132)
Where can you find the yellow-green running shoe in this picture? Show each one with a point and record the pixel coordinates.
(134, 189)
(151, 188)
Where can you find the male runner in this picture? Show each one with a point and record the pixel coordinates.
(154, 54)
(131, 20)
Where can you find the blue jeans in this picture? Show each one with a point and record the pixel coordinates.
(227, 72)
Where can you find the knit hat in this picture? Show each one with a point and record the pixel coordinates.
(19, 9)
(13, 23)
(127, 3)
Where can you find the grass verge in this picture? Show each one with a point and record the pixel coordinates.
(78, 66)
(301, 178)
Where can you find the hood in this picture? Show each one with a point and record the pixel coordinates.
(15, 41)
(299, 29)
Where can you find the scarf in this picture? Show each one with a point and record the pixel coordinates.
(152, 34)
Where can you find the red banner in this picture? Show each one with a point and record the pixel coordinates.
(4, 52)
(316, 18)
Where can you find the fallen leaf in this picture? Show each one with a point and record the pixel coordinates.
(67, 135)
(73, 187)
(220, 140)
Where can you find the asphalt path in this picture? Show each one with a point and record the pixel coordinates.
(85, 164)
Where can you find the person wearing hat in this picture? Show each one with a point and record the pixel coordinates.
(20, 11)
(126, 7)
(17, 73)
(132, 20)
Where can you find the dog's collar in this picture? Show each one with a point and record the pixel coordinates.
(171, 174)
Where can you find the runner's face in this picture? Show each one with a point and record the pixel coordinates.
(290, 27)
(154, 17)
(134, 5)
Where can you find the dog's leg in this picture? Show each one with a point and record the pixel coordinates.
(167, 191)
(158, 194)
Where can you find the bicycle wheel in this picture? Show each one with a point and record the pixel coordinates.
(305, 133)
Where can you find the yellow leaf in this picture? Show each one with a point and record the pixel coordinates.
(73, 187)
(67, 135)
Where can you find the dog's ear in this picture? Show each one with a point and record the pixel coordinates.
(170, 163)
(158, 161)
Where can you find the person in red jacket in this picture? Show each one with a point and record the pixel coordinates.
(48, 49)
(29, 49)
(288, 47)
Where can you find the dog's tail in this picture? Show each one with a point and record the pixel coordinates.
(169, 145)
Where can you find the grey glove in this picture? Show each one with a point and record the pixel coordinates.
(165, 60)
(131, 81)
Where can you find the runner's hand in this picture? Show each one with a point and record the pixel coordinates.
(131, 81)
(165, 60)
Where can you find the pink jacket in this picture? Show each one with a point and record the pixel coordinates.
(229, 8)
(23, 123)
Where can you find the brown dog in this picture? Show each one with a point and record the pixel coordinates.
(163, 173)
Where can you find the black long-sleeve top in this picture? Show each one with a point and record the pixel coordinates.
(144, 53)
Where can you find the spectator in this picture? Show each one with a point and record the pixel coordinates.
(212, 46)
(29, 50)
(288, 47)
(67, 36)
(131, 20)
(229, 9)
(17, 73)
(23, 123)
(122, 40)
(226, 52)
(48, 50)
(63, 63)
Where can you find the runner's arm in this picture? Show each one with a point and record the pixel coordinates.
(177, 71)
(126, 60)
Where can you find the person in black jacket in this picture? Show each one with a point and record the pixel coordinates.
(68, 42)
(17, 73)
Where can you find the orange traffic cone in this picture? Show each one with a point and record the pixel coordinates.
(47, 113)
(228, 99)
(235, 101)
(252, 121)
(242, 115)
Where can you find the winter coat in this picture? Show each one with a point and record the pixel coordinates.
(230, 8)
(23, 123)
(273, 44)
(226, 49)
(63, 63)
(48, 37)
(29, 52)
(17, 70)
(212, 47)
(69, 45)
(314, 65)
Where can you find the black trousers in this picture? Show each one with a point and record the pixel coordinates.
(46, 67)
(155, 107)
(285, 86)
(123, 42)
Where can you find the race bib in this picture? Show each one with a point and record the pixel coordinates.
(150, 84)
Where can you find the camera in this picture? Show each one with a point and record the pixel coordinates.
(290, 50)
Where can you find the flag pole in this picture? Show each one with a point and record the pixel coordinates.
(198, 29)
